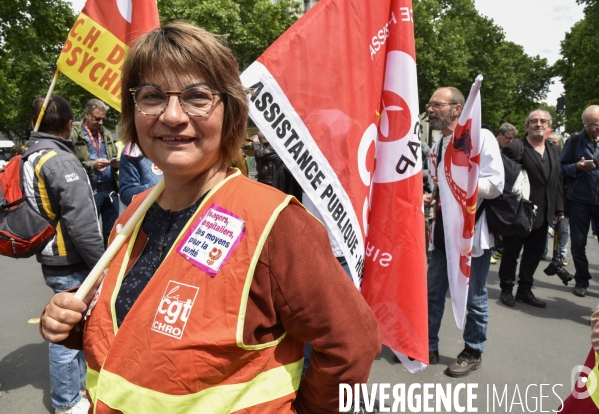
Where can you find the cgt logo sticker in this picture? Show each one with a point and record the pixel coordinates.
(174, 309)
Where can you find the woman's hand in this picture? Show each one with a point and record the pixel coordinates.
(60, 316)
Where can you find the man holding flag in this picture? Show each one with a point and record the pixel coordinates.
(465, 166)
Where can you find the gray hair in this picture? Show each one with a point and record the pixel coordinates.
(506, 128)
(538, 110)
(559, 137)
(95, 103)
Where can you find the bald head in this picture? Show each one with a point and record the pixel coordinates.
(590, 119)
(444, 109)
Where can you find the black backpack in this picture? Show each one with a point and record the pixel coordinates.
(509, 214)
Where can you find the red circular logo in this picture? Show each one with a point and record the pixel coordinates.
(396, 118)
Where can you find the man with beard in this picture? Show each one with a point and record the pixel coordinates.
(579, 166)
(444, 109)
(541, 160)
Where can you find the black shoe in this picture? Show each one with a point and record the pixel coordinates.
(433, 357)
(580, 291)
(507, 299)
(530, 299)
(468, 361)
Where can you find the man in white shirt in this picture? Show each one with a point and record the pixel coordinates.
(444, 109)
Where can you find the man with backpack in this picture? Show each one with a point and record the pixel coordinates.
(540, 159)
(55, 184)
(579, 166)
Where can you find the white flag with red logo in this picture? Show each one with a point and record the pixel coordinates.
(458, 191)
(336, 96)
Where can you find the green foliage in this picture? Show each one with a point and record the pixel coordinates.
(454, 44)
(31, 35)
(579, 66)
(250, 25)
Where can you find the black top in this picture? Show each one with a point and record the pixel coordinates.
(162, 228)
(545, 189)
(545, 163)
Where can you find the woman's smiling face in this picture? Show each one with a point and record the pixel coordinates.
(178, 143)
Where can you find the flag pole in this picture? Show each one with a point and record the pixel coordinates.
(43, 111)
(118, 241)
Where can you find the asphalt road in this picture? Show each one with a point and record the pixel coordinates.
(527, 346)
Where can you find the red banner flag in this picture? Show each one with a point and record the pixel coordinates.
(336, 96)
(94, 51)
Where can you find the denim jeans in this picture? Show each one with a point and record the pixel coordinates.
(581, 215)
(307, 346)
(67, 366)
(107, 206)
(564, 235)
(477, 316)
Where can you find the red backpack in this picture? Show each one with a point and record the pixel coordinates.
(23, 231)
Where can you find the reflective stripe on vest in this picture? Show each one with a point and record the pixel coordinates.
(268, 386)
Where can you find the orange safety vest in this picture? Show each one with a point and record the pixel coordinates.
(180, 349)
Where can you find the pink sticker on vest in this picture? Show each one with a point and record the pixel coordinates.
(211, 240)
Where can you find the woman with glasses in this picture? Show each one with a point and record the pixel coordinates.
(206, 307)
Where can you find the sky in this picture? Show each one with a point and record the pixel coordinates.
(538, 25)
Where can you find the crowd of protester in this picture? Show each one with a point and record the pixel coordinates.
(560, 175)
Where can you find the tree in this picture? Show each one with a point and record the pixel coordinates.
(31, 35)
(250, 25)
(454, 44)
(579, 66)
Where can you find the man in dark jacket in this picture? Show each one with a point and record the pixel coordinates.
(56, 186)
(541, 160)
(579, 167)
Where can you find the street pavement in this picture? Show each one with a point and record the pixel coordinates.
(526, 346)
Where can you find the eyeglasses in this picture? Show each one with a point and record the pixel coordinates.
(536, 121)
(592, 125)
(99, 118)
(194, 100)
(438, 105)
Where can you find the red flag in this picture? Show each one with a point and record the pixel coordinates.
(93, 54)
(336, 96)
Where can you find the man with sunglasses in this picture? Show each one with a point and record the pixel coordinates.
(506, 134)
(579, 167)
(100, 157)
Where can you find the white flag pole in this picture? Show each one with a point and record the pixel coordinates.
(43, 110)
(118, 241)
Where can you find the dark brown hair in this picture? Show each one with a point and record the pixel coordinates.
(57, 116)
(182, 48)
